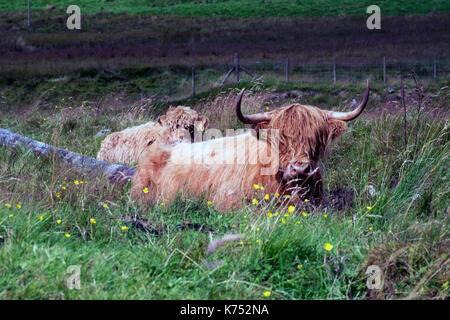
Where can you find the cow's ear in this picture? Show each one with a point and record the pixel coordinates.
(162, 120)
(336, 128)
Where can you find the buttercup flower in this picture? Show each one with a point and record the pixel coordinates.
(11, 215)
(266, 197)
(269, 214)
(304, 214)
(7, 205)
(76, 182)
(57, 195)
(255, 186)
(325, 215)
(18, 206)
(209, 203)
(277, 195)
(255, 201)
(291, 209)
(67, 235)
(93, 221)
(64, 188)
(299, 266)
(145, 190)
(58, 221)
(371, 228)
(283, 220)
(41, 218)
(105, 205)
(124, 228)
(328, 246)
(369, 208)
(266, 293)
(306, 200)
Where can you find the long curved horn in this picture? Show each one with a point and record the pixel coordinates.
(252, 118)
(348, 116)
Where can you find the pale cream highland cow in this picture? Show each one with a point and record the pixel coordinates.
(178, 124)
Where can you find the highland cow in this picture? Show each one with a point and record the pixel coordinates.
(178, 124)
(226, 169)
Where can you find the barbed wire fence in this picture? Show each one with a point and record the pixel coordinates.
(332, 70)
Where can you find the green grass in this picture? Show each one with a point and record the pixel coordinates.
(241, 8)
(409, 238)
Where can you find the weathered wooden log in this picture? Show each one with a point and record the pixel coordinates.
(116, 173)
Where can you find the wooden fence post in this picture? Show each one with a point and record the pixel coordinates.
(236, 67)
(334, 70)
(29, 14)
(384, 69)
(193, 81)
(435, 67)
(287, 70)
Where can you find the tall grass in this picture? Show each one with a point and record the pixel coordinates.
(403, 228)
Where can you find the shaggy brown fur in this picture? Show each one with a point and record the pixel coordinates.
(178, 124)
(304, 135)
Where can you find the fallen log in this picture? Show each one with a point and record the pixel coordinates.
(116, 173)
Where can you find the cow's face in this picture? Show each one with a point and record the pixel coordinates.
(183, 122)
(304, 134)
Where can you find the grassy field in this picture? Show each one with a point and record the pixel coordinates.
(403, 228)
(240, 8)
(386, 203)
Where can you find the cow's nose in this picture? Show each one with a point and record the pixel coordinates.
(296, 169)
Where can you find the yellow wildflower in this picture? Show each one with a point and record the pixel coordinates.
(286, 215)
(245, 217)
(267, 108)
(283, 220)
(369, 208)
(57, 195)
(64, 188)
(162, 204)
(93, 221)
(105, 205)
(291, 209)
(258, 241)
(67, 235)
(304, 214)
(261, 188)
(124, 228)
(287, 196)
(275, 214)
(371, 228)
(76, 182)
(266, 293)
(299, 266)
(41, 218)
(209, 203)
(298, 222)
(266, 197)
(18, 206)
(11, 215)
(328, 246)
(145, 190)
(257, 229)
(255, 186)
(306, 200)
(325, 215)
(270, 215)
(255, 201)
(58, 221)
(7, 205)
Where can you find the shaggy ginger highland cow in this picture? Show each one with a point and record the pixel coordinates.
(178, 124)
(226, 169)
